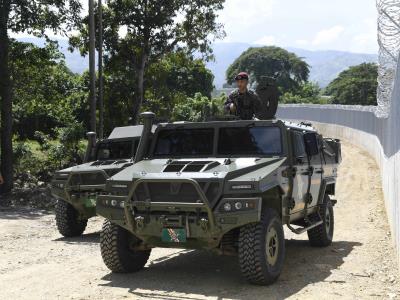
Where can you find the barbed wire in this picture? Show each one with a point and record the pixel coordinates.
(389, 46)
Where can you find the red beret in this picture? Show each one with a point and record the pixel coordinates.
(242, 76)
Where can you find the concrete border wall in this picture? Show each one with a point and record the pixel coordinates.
(378, 136)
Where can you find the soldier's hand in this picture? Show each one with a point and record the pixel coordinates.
(232, 108)
(1, 180)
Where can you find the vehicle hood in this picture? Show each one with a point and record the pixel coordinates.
(107, 166)
(237, 169)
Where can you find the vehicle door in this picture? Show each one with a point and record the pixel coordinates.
(300, 169)
(316, 167)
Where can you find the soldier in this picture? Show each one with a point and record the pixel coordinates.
(242, 102)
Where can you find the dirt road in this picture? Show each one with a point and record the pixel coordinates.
(37, 263)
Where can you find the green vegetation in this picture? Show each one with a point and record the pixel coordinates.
(35, 17)
(153, 31)
(356, 85)
(308, 92)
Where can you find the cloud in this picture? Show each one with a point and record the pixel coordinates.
(266, 40)
(327, 36)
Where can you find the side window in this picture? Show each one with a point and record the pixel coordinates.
(316, 159)
(298, 145)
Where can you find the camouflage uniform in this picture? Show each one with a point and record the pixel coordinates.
(248, 104)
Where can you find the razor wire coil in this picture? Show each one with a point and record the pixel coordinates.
(389, 46)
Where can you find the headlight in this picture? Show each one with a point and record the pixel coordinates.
(238, 205)
(227, 206)
(114, 203)
(235, 205)
(242, 187)
(119, 186)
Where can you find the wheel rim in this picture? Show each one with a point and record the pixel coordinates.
(327, 221)
(272, 246)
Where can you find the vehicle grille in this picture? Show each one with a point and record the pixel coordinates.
(176, 192)
(87, 179)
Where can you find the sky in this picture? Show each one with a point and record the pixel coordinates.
(347, 25)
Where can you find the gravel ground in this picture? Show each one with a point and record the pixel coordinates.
(37, 263)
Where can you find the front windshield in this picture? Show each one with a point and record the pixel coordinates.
(113, 150)
(184, 142)
(265, 140)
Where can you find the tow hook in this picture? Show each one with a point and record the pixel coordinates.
(139, 222)
(204, 224)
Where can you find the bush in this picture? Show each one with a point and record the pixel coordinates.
(307, 93)
(199, 108)
(33, 166)
(43, 140)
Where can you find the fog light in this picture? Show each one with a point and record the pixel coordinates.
(238, 205)
(114, 202)
(227, 206)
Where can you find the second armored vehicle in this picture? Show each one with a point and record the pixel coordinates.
(77, 188)
(226, 186)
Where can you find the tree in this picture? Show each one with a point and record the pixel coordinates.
(154, 29)
(31, 16)
(169, 81)
(287, 68)
(355, 86)
(172, 80)
(46, 93)
(308, 92)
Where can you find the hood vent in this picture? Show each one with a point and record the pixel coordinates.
(190, 166)
(107, 162)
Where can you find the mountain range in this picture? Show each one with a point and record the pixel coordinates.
(324, 65)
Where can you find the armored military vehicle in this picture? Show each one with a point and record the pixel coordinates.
(226, 186)
(76, 188)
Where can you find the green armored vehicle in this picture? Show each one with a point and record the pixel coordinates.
(77, 188)
(226, 186)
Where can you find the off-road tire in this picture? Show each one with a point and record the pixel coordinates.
(322, 235)
(252, 249)
(69, 222)
(116, 251)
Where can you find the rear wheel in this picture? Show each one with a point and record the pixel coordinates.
(117, 249)
(262, 249)
(69, 221)
(322, 235)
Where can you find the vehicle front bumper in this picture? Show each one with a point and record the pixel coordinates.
(82, 197)
(204, 226)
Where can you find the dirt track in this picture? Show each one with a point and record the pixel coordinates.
(37, 263)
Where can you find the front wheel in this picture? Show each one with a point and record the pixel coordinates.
(262, 249)
(322, 235)
(117, 249)
(69, 221)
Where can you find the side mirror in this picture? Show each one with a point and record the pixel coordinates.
(311, 144)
